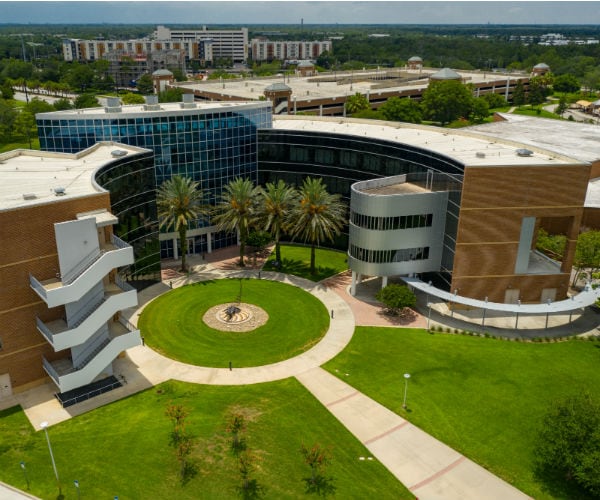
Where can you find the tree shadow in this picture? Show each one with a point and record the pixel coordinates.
(556, 484)
(251, 490)
(238, 446)
(320, 485)
(190, 471)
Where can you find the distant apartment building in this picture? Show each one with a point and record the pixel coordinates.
(268, 50)
(226, 44)
(125, 68)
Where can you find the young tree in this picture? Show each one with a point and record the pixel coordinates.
(179, 201)
(562, 106)
(396, 298)
(181, 440)
(170, 95)
(587, 254)
(569, 441)
(236, 427)
(145, 85)
(447, 100)
(356, 102)
(318, 216)
(518, 96)
(481, 109)
(237, 210)
(402, 110)
(317, 458)
(274, 210)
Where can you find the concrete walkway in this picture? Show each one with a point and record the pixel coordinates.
(430, 469)
(427, 467)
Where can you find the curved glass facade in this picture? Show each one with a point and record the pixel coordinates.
(341, 160)
(212, 145)
(132, 187)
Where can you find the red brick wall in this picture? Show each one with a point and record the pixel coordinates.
(29, 247)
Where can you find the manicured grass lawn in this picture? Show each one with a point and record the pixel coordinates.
(123, 449)
(483, 397)
(172, 324)
(529, 111)
(295, 260)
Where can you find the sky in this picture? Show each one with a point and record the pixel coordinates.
(292, 12)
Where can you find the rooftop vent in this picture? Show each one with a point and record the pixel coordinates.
(479, 154)
(187, 101)
(60, 191)
(118, 153)
(113, 105)
(151, 103)
(524, 152)
(29, 196)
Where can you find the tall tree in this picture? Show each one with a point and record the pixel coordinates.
(447, 100)
(318, 216)
(180, 201)
(402, 110)
(145, 85)
(356, 102)
(237, 210)
(274, 211)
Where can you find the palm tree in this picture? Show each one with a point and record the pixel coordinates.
(237, 210)
(319, 215)
(274, 212)
(180, 201)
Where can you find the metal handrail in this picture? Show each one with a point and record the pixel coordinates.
(123, 285)
(91, 355)
(51, 371)
(44, 330)
(127, 324)
(118, 242)
(83, 264)
(37, 286)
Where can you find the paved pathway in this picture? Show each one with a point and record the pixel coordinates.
(7, 492)
(430, 469)
(427, 467)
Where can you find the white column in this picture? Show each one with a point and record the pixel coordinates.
(209, 242)
(359, 278)
(175, 252)
(353, 285)
(384, 280)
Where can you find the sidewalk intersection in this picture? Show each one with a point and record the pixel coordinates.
(427, 467)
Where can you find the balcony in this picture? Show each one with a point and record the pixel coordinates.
(117, 296)
(91, 270)
(67, 376)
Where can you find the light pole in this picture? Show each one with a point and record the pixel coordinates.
(44, 425)
(25, 473)
(406, 377)
(76, 483)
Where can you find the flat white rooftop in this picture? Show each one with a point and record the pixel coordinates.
(465, 146)
(163, 109)
(347, 83)
(592, 197)
(29, 177)
(577, 140)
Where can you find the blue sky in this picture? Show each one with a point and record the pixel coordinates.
(312, 12)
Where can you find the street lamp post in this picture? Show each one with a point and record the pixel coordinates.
(25, 473)
(44, 425)
(406, 377)
(76, 483)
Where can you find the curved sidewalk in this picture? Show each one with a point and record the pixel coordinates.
(157, 368)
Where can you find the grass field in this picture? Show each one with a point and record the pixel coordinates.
(172, 324)
(483, 397)
(295, 259)
(122, 449)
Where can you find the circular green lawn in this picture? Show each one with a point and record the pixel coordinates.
(172, 323)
